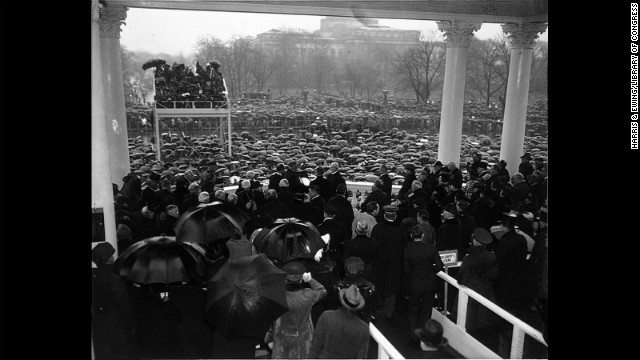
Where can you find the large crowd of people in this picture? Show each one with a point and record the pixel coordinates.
(383, 243)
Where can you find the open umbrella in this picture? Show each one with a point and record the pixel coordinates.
(162, 260)
(289, 238)
(210, 223)
(245, 297)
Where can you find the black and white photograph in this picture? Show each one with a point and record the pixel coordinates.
(322, 179)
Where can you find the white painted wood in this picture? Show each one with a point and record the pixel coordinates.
(517, 343)
(463, 300)
(462, 342)
(537, 335)
(385, 349)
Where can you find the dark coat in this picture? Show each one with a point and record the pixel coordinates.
(478, 272)
(518, 193)
(511, 252)
(337, 238)
(387, 185)
(340, 334)
(456, 178)
(112, 317)
(467, 225)
(295, 185)
(309, 212)
(421, 263)
(272, 210)
(482, 212)
(406, 185)
(286, 198)
(189, 203)
(388, 268)
(344, 211)
(274, 181)
(365, 248)
(381, 198)
(449, 235)
(195, 336)
(158, 324)
(323, 187)
(525, 169)
(334, 179)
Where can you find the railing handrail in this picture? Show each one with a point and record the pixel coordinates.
(528, 329)
(383, 343)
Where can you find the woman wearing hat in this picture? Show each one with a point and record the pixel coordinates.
(293, 331)
(341, 334)
(478, 272)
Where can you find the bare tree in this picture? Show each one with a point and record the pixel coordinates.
(486, 73)
(261, 67)
(539, 63)
(419, 68)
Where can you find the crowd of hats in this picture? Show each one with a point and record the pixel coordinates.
(359, 154)
(348, 135)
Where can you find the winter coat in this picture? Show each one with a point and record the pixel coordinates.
(340, 334)
(509, 288)
(478, 272)
(388, 266)
(344, 211)
(449, 235)
(421, 263)
(293, 330)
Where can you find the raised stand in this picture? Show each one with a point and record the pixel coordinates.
(189, 109)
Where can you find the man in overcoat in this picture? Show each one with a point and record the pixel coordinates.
(341, 334)
(389, 237)
(421, 262)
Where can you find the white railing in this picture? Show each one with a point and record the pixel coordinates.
(520, 328)
(385, 349)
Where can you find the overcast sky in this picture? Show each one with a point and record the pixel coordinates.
(176, 31)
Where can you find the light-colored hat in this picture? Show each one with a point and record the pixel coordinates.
(351, 298)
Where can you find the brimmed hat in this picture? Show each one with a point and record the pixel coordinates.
(526, 156)
(431, 334)
(294, 270)
(351, 298)
(482, 236)
(362, 227)
(353, 265)
(390, 209)
(102, 252)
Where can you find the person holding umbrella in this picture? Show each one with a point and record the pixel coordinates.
(293, 331)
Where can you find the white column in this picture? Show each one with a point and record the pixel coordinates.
(101, 190)
(521, 38)
(458, 35)
(111, 18)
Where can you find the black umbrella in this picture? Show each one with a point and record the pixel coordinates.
(153, 63)
(210, 223)
(162, 260)
(290, 238)
(245, 297)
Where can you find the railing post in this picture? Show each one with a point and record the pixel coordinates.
(463, 300)
(517, 343)
(381, 353)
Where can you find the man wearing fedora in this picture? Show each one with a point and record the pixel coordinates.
(433, 345)
(341, 334)
(421, 262)
(390, 238)
(525, 168)
(478, 272)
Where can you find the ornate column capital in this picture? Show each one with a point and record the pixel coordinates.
(458, 33)
(111, 18)
(523, 36)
